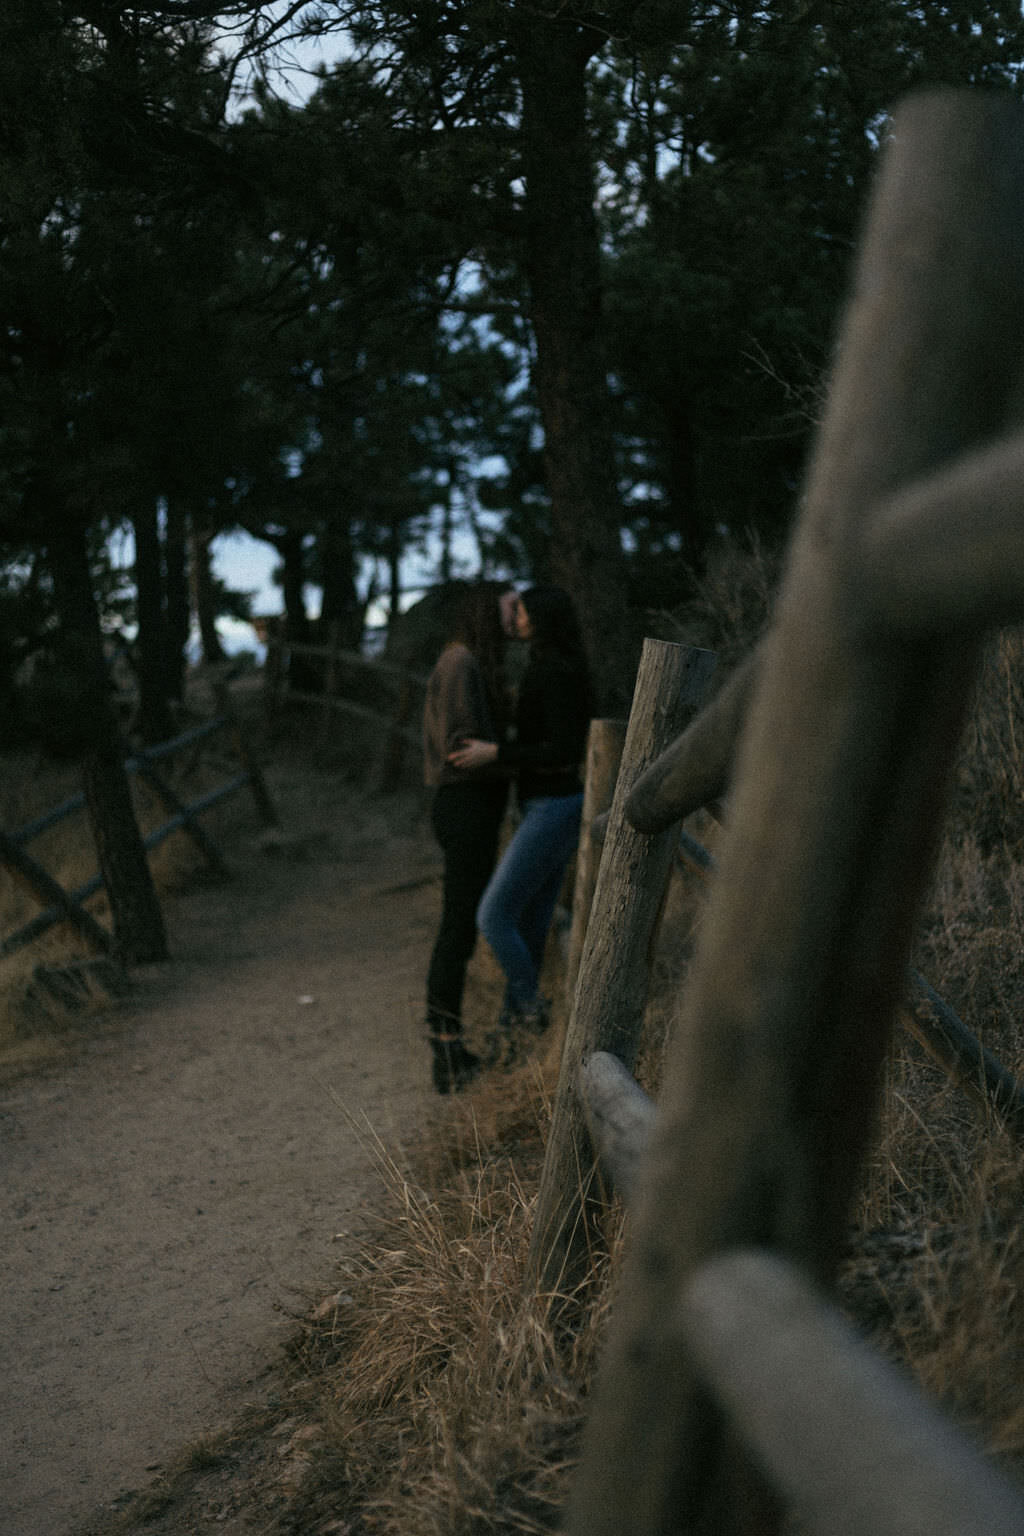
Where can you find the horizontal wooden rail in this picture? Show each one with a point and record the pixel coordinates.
(619, 1118)
(133, 765)
(358, 711)
(330, 653)
(400, 735)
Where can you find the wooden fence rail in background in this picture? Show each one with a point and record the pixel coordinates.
(60, 906)
(279, 691)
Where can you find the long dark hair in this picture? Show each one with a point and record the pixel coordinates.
(555, 630)
(477, 623)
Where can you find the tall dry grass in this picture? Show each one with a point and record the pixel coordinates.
(448, 1405)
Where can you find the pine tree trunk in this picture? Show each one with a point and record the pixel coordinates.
(563, 267)
(289, 546)
(152, 646)
(202, 592)
(341, 605)
(139, 931)
(176, 588)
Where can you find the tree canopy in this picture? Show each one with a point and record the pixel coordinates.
(549, 291)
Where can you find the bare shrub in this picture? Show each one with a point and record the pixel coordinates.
(731, 603)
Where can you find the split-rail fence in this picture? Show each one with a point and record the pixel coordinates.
(68, 906)
(731, 1395)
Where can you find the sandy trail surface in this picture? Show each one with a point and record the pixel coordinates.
(172, 1193)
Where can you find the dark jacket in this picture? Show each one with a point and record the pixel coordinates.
(551, 721)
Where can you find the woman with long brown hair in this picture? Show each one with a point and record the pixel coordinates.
(466, 697)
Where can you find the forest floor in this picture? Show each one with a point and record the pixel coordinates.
(180, 1183)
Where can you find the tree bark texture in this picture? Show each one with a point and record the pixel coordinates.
(563, 269)
(839, 786)
(203, 592)
(341, 605)
(154, 720)
(138, 923)
(176, 589)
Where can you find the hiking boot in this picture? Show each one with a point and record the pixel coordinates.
(453, 1068)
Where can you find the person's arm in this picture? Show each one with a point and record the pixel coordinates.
(472, 753)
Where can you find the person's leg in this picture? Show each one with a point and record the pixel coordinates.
(563, 822)
(466, 821)
(534, 860)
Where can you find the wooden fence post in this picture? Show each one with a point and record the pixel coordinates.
(836, 798)
(260, 793)
(611, 991)
(605, 741)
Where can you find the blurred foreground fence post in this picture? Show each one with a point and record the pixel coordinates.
(854, 1446)
(910, 541)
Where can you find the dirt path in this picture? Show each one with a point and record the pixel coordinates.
(182, 1178)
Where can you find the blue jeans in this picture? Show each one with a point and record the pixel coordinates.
(515, 910)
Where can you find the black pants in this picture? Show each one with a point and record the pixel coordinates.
(467, 820)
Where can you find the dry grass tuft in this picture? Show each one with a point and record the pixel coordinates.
(988, 800)
(449, 1405)
(731, 601)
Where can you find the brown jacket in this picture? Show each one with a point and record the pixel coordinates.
(457, 706)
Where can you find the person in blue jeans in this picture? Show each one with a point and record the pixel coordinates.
(544, 751)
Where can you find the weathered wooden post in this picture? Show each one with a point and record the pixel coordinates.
(611, 991)
(835, 800)
(605, 741)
